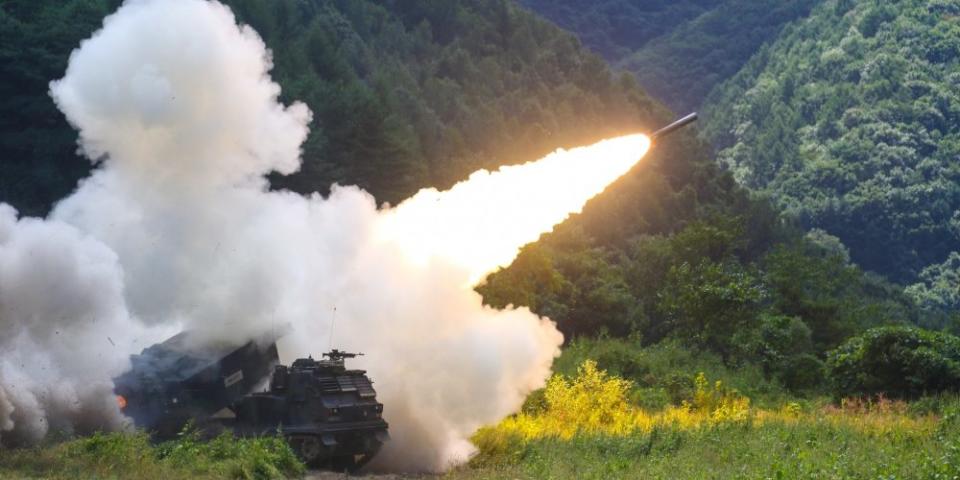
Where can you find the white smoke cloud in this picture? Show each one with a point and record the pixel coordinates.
(177, 229)
(62, 315)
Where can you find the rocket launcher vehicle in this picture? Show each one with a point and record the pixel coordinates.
(328, 413)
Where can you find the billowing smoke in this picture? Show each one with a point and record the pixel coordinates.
(65, 330)
(177, 229)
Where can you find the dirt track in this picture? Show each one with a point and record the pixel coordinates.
(321, 475)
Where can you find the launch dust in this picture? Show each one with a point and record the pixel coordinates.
(176, 253)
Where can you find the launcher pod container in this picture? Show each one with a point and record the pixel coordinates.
(329, 414)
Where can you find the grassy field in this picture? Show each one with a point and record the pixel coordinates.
(610, 412)
(588, 427)
(774, 450)
(880, 441)
(132, 456)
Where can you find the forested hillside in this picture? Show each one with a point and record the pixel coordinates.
(682, 67)
(404, 94)
(678, 50)
(617, 28)
(851, 123)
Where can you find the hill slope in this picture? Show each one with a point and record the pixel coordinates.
(851, 123)
(678, 50)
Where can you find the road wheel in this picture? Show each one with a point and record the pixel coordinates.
(308, 448)
(352, 463)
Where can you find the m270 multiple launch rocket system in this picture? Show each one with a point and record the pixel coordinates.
(677, 125)
(329, 414)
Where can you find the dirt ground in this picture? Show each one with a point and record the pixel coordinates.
(322, 475)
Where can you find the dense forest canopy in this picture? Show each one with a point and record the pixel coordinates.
(681, 68)
(850, 121)
(617, 28)
(678, 50)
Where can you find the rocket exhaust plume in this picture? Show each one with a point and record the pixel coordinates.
(177, 228)
(480, 223)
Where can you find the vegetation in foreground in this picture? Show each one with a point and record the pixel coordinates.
(590, 426)
(618, 410)
(804, 446)
(132, 456)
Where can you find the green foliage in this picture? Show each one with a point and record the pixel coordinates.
(865, 444)
(782, 346)
(744, 286)
(896, 361)
(37, 146)
(618, 27)
(682, 67)
(255, 458)
(850, 121)
(706, 302)
(939, 286)
(664, 374)
(678, 50)
(404, 94)
(132, 456)
(835, 299)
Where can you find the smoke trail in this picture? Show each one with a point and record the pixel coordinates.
(177, 228)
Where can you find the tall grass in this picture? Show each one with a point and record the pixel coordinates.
(132, 456)
(657, 412)
(587, 427)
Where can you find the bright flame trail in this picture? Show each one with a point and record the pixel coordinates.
(481, 223)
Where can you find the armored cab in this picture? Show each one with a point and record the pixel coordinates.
(329, 414)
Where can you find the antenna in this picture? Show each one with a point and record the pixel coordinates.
(333, 321)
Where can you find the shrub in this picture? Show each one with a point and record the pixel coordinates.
(802, 372)
(721, 403)
(662, 374)
(593, 401)
(782, 346)
(679, 388)
(902, 362)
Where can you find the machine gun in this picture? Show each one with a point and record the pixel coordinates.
(337, 355)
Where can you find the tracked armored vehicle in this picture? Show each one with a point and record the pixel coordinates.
(329, 414)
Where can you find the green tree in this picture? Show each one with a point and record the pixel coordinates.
(896, 361)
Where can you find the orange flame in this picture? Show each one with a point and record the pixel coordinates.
(122, 402)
